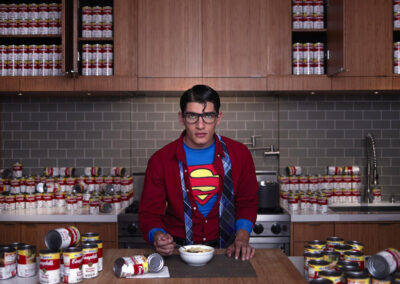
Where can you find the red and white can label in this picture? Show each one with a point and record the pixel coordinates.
(49, 267)
(26, 262)
(73, 267)
(8, 267)
(90, 263)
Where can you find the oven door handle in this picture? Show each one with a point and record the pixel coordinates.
(269, 240)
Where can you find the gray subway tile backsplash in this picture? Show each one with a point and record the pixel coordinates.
(312, 131)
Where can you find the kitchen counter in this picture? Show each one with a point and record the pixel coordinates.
(344, 216)
(271, 266)
(58, 214)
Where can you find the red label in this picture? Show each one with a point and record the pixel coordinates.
(50, 264)
(90, 258)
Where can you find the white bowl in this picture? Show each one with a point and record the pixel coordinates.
(196, 258)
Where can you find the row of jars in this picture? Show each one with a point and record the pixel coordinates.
(30, 27)
(72, 201)
(308, 14)
(31, 11)
(65, 184)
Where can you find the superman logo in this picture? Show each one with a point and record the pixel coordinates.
(204, 182)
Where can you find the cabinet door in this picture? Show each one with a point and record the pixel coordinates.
(124, 76)
(303, 232)
(34, 233)
(9, 233)
(234, 38)
(368, 37)
(170, 38)
(108, 232)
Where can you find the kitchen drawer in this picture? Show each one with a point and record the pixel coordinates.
(312, 231)
(108, 231)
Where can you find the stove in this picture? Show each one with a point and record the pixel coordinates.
(271, 230)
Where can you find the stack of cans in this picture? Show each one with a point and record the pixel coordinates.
(30, 19)
(97, 59)
(308, 58)
(308, 14)
(396, 57)
(396, 13)
(97, 21)
(30, 60)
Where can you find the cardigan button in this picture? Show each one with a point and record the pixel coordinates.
(206, 221)
(194, 208)
(204, 239)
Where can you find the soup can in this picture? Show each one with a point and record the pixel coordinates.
(90, 260)
(125, 267)
(117, 171)
(62, 238)
(308, 256)
(92, 171)
(355, 256)
(49, 268)
(384, 263)
(386, 280)
(91, 236)
(318, 244)
(332, 275)
(332, 257)
(8, 266)
(99, 244)
(73, 259)
(315, 267)
(342, 248)
(356, 246)
(26, 266)
(332, 241)
(357, 277)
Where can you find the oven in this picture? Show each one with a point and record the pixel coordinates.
(271, 230)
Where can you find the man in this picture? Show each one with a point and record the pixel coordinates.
(202, 187)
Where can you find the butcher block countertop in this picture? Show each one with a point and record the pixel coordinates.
(270, 265)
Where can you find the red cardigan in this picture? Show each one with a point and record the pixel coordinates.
(161, 204)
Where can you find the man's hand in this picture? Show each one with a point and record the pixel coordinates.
(241, 245)
(163, 243)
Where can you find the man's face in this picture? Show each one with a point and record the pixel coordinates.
(199, 134)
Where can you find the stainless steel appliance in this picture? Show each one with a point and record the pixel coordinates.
(271, 230)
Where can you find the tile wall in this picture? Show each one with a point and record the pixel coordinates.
(105, 131)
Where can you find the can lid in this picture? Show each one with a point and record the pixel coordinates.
(24, 247)
(6, 249)
(320, 281)
(90, 234)
(117, 268)
(155, 262)
(89, 245)
(378, 266)
(73, 249)
(53, 240)
(357, 274)
(332, 273)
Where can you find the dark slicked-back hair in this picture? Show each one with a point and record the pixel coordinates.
(200, 94)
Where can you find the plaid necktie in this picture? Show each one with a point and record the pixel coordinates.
(226, 203)
(226, 207)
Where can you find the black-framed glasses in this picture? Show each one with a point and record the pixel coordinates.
(192, 117)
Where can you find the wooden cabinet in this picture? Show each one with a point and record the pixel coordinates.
(34, 233)
(367, 45)
(375, 236)
(9, 233)
(124, 43)
(234, 43)
(301, 233)
(108, 232)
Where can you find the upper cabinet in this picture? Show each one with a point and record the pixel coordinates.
(170, 44)
(363, 40)
(235, 43)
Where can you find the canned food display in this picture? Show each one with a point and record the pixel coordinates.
(97, 60)
(8, 265)
(49, 269)
(24, 19)
(308, 14)
(308, 58)
(73, 259)
(97, 22)
(62, 238)
(125, 267)
(26, 266)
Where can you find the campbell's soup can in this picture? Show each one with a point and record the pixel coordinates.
(86, 29)
(106, 30)
(117, 171)
(355, 256)
(49, 268)
(17, 170)
(62, 238)
(92, 171)
(297, 21)
(8, 265)
(308, 256)
(67, 172)
(315, 267)
(87, 14)
(396, 19)
(342, 248)
(90, 260)
(107, 16)
(99, 244)
(91, 236)
(334, 276)
(384, 263)
(332, 241)
(26, 266)
(97, 30)
(73, 260)
(130, 266)
(356, 246)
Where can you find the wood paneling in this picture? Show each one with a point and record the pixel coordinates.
(46, 84)
(294, 83)
(108, 231)
(279, 37)
(361, 83)
(304, 232)
(170, 38)
(237, 84)
(105, 83)
(234, 38)
(167, 84)
(9, 233)
(368, 37)
(335, 62)
(9, 84)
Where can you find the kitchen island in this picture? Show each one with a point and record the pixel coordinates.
(270, 265)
